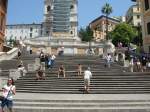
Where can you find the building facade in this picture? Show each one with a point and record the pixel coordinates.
(23, 31)
(98, 27)
(60, 18)
(145, 11)
(133, 15)
(3, 11)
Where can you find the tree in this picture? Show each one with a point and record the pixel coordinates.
(107, 10)
(122, 33)
(86, 35)
(138, 38)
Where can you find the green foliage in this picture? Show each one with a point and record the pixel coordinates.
(122, 33)
(138, 40)
(86, 34)
(12, 42)
(107, 9)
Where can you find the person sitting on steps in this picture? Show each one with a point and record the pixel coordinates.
(61, 71)
(40, 75)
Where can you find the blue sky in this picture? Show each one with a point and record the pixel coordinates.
(29, 11)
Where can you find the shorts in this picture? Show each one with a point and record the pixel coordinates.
(87, 82)
(6, 102)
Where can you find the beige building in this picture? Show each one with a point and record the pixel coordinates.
(3, 10)
(99, 27)
(133, 15)
(60, 18)
(145, 11)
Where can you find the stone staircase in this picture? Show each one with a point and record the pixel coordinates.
(82, 103)
(112, 89)
(104, 81)
(101, 83)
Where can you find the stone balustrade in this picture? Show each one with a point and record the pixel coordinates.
(8, 55)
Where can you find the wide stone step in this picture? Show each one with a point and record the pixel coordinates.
(102, 79)
(80, 91)
(26, 109)
(109, 89)
(74, 76)
(81, 104)
(81, 83)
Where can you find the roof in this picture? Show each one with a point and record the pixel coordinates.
(109, 18)
(24, 24)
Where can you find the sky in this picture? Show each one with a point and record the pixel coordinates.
(29, 11)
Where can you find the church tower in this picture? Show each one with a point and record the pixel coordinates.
(60, 18)
(48, 12)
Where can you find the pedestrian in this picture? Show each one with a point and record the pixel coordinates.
(79, 70)
(30, 50)
(144, 62)
(21, 69)
(87, 77)
(138, 65)
(42, 57)
(61, 51)
(40, 74)
(19, 54)
(108, 60)
(8, 91)
(61, 71)
(131, 65)
(53, 57)
(49, 61)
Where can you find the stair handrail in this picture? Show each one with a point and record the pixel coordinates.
(8, 55)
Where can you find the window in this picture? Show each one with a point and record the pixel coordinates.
(30, 34)
(146, 4)
(148, 28)
(71, 7)
(138, 9)
(31, 29)
(139, 24)
(47, 32)
(48, 8)
(71, 32)
(138, 16)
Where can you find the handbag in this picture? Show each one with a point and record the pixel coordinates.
(1, 98)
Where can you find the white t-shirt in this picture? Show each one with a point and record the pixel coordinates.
(87, 74)
(53, 57)
(7, 93)
(131, 62)
(108, 57)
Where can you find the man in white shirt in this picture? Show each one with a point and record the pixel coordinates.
(87, 77)
(108, 60)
